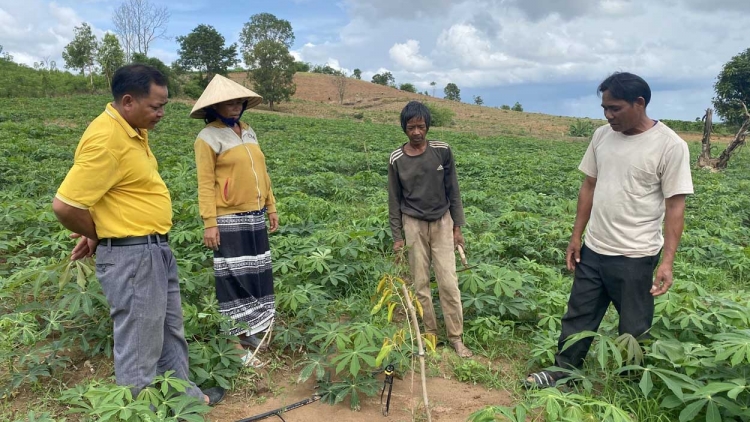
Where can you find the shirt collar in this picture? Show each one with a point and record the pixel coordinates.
(113, 113)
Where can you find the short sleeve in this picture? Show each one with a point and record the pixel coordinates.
(94, 172)
(676, 178)
(588, 163)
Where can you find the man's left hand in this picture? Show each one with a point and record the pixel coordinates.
(85, 248)
(458, 238)
(662, 281)
(273, 220)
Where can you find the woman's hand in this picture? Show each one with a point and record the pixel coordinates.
(273, 220)
(211, 238)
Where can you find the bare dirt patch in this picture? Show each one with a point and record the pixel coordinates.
(450, 400)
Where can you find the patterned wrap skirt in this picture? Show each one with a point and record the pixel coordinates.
(244, 277)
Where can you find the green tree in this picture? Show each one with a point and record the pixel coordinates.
(173, 86)
(272, 71)
(408, 87)
(505, 107)
(325, 69)
(452, 92)
(5, 56)
(517, 107)
(81, 52)
(732, 87)
(432, 84)
(301, 66)
(110, 56)
(385, 78)
(204, 50)
(357, 74)
(478, 100)
(264, 27)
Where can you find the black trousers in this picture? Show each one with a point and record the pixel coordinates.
(599, 280)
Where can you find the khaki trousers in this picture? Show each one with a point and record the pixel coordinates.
(432, 242)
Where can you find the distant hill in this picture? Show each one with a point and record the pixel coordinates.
(317, 96)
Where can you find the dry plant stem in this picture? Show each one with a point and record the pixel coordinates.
(420, 347)
(463, 255)
(263, 340)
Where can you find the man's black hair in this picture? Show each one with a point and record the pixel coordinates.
(136, 80)
(415, 109)
(625, 86)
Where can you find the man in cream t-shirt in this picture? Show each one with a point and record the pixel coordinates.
(637, 176)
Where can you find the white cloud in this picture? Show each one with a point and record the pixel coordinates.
(397, 9)
(480, 45)
(407, 56)
(35, 30)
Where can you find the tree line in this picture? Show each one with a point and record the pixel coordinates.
(264, 46)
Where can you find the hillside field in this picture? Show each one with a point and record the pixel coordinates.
(519, 186)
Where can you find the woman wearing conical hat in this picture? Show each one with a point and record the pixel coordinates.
(235, 196)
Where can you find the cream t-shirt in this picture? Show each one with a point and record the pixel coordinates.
(634, 174)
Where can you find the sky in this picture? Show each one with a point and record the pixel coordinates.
(548, 55)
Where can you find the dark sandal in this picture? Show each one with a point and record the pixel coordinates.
(254, 342)
(215, 395)
(541, 379)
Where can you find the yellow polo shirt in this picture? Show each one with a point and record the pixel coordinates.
(115, 176)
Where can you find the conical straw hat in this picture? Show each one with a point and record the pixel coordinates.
(222, 89)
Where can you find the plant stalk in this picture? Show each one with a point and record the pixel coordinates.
(420, 348)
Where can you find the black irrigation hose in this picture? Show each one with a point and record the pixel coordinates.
(279, 411)
(389, 371)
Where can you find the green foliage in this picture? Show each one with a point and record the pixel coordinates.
(505, 107)
(5, 56)
(385, 78)
(81, 52)
(517, 107)
(301, 66)
(357, 74)
(204, 50)
(18, 80)
(164, 400)
(173, 84)
(408, 87)
(326, 70)
(441, 116)
(582, 128)
(478, 100)
(273, 72)
(334, 245)
(264, 27)
(452, 92)
(110, 56)
(733, 88)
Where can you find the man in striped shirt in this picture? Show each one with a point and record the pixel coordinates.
(425, 204)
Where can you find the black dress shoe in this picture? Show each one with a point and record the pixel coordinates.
(215, 395)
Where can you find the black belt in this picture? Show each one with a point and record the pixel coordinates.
(136, 240)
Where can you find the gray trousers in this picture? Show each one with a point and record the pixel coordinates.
(143, 292)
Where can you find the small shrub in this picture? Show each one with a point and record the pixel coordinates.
(408, 87)
(358, 115)
(193, 89)
(582, 128)
(517, 107)
(505, 107)
(441, 116)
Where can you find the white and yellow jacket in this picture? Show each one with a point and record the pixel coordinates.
(232, 175)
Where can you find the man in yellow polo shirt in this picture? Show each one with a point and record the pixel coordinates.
(114, 199)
